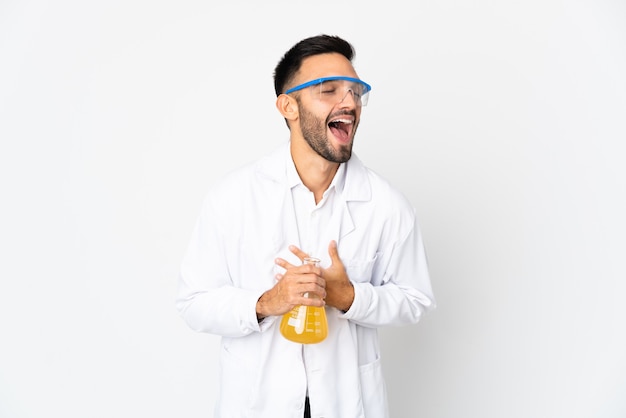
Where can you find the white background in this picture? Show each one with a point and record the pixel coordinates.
(503, 122)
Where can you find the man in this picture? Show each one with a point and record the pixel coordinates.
(310, 197)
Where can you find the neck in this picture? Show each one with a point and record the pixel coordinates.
(315, 171)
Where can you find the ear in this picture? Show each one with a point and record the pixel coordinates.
(287, 106)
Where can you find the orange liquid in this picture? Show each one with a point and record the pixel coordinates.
(305, 324)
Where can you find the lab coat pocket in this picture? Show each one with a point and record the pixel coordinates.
(373, 390)
(360, 270)
(236, 375)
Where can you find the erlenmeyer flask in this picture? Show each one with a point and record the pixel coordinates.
(305, 324)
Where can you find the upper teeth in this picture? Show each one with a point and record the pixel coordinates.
(342, 121)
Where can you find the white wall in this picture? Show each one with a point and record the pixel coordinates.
(503, 122)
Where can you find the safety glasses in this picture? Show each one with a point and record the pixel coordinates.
(334, 90)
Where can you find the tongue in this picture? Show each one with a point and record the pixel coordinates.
(340, 134)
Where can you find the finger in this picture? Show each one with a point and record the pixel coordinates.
(317, 287)
(319, 292)
(283, 263)
(298, 252)
(318, 300)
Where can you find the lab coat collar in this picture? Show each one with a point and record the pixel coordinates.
(355, 188)
(275, 168)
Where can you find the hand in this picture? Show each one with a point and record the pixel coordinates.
(291, 286)
(339, 288)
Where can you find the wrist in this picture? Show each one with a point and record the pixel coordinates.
(261, 307)
(341, 297)
(348, 297)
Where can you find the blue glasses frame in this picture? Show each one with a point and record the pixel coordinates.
(321, 80)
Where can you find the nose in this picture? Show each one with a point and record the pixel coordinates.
(354, 99)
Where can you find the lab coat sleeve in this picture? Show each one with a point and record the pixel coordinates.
(404, 292)
(207, 299)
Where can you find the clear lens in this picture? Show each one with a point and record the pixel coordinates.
(336, 91)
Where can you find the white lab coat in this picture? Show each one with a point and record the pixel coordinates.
(247, 221)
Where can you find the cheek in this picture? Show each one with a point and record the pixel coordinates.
(320, 110)
(315, 118)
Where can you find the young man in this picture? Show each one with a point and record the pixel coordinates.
(310, 197)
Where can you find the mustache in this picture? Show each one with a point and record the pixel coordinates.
(341, 113)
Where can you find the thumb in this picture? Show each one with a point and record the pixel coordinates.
(334, 254)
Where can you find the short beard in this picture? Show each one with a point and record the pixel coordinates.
(314, 133)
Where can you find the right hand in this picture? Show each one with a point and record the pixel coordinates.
(289, 290)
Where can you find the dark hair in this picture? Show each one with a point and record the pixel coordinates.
(290, 63)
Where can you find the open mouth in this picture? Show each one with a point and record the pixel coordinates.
(341, 128)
